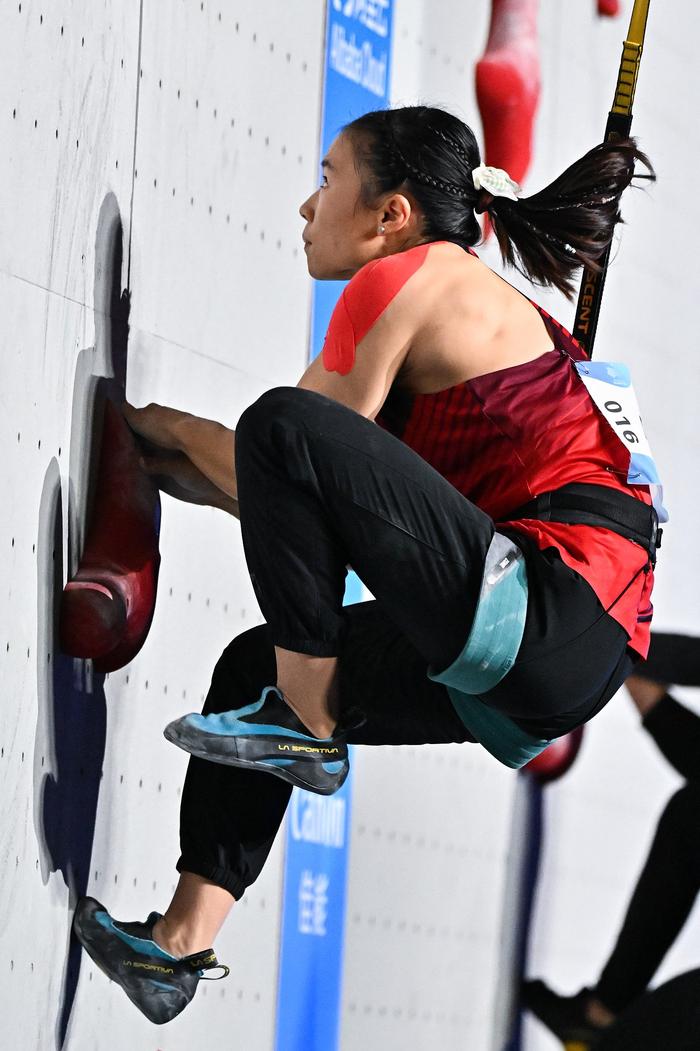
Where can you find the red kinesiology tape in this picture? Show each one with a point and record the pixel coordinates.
(362, 303)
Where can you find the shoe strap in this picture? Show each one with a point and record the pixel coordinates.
(216, 977)
(206, 961)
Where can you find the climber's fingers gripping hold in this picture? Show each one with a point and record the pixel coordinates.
(156, 423)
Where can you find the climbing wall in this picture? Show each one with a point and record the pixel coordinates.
(165, 148)
(159, 148)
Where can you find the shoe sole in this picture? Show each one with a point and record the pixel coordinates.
(322, 783)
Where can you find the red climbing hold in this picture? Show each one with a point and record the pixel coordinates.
(107, 608)
(508, 85)
(556, 760)
(609, 8)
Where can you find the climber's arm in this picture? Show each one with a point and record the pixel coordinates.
(211, 447)
(208, 444)
(175, 474)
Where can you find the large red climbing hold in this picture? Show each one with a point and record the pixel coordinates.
(107, 607)
(508, 85)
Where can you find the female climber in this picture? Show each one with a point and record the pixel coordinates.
(452, 445)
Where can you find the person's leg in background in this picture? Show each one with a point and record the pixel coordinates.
(674, 728)
(661, 903)
(669, 883)
(671, 659)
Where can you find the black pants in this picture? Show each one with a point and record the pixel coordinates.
(321, 487)
(661, 903)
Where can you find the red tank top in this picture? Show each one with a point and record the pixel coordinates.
(506, 437)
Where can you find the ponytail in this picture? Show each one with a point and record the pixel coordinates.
(549, 236)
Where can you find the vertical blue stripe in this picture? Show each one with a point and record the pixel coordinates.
(357, 71)
(529, 875)
(313, 921)
(357, 77)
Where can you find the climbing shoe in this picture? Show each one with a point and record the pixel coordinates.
(565, 1016)
(267, 736)
(160, 985)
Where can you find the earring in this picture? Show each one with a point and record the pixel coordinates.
(380, 229)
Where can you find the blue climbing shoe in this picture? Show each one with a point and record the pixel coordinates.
(266, 736)
(160, 985)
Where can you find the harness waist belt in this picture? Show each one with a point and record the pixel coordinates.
(581, 504)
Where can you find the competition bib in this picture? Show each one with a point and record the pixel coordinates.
(610, 386)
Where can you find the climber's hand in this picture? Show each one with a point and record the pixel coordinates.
(156, 423)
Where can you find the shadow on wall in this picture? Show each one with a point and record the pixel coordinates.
(71, 721)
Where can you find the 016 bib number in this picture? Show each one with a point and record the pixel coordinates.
(610, 386)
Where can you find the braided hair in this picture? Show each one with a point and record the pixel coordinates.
(547, 237)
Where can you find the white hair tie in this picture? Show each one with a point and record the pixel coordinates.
(495, 181)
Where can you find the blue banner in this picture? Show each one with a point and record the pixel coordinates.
(313, 921)
(358, 57)
(357, 70)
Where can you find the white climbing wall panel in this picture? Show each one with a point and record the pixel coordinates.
(200, 121)
(185, 136)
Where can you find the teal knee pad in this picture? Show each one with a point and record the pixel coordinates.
(489, 653)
